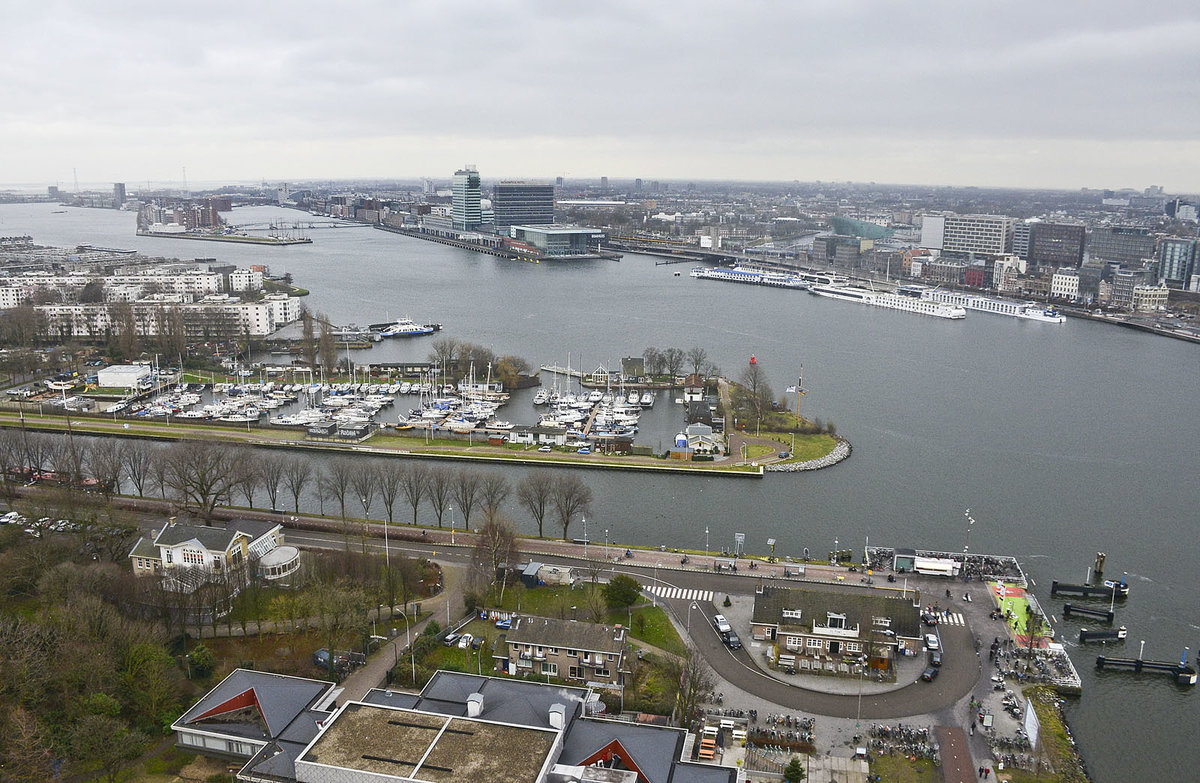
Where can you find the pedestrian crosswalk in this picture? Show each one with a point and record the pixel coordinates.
(663, 591)
(953, 618)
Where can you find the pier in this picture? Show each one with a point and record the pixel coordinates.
(1183, 674)
(1112, 589)
(1102, 636)
(1106, 615)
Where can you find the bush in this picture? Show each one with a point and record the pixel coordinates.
(433, 629)
(203, 661)
(726, 602)
(621, 592)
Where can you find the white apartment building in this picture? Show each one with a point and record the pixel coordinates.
(245, 280)
(284, 309)
(1005, 271)
(224, 315)
(1065, 285)
(12, 296)
(1149, 298)
(985, 234)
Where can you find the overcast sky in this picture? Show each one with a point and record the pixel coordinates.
(1046, 94)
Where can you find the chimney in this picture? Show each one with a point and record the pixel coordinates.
(474, 705)
(558, 716)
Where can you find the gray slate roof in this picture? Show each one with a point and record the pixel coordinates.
(145, 548)
(281, 699)
(216, 539)
(860, 608)
(550, 632)
(506, 701)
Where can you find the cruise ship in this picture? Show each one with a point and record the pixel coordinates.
(740, 274)
(892, 301)
(1028, 310)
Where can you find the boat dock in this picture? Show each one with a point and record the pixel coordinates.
(1102, 636)
(1183, 674)
(1106, 615)
(589, 381)
(1113, 589)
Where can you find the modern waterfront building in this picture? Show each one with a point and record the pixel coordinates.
(118, 194)
(553, 241)
(522, 204)
(1021, 231)
(839, 249)
(967, 234)
(1055, 244)
(1122, 244)
(1177, 260)
(466, 212)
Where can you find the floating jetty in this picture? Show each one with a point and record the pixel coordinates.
(1183, 674)
(1107, 590)
(1106, 615)
(1102, 636)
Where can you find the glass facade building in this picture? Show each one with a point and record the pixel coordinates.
(523, 204)
(466, 210)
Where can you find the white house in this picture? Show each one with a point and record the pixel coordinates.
(122, 376)
(192, 555)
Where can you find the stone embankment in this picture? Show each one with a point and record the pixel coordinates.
(839, 453)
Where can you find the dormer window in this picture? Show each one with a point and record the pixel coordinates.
(834, 620)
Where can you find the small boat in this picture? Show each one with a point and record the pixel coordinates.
(647, 400)
(541, 398)
(633, 398)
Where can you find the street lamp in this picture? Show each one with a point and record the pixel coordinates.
(691, 606)
(585, 537)
(967, 545)
(706, 540)
(606, 545)
(654, 593)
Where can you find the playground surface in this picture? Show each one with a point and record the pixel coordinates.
(1012, 603)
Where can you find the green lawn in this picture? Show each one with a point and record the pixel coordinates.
(899, 769)
(807, 447)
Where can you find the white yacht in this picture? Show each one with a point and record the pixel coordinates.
(404, 327)
(911, 304)
(647, 399)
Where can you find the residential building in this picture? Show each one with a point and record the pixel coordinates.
(1005, 271)
(1125, 280)
(1128, 245)
(567, 650)
(836, 631)
(1056, 244)
(12, 296)
(1177, 260)
(967, 234)
(215, 317)
(1021, 232)
(459, 727)
(1148, 298)
(466, 211)
(1064, 284)
(522, 204)
(190, 556)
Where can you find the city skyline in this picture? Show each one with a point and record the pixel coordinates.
(1064, 96)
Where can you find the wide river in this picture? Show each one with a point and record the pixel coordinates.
(1062, 440)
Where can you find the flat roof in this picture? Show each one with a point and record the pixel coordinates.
(420, 746)
(557, 228)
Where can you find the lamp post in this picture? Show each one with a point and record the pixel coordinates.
(654, 593)
(691, 606)
(606, 545)
(451, 510)
(585, 538)
(967, 545)
(706, 540)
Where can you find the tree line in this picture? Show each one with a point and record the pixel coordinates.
(201, 476)
(670, 361)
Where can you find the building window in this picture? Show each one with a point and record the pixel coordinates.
(833, 620)
(550, 668)
(575, 673)
(883, 622)
(853, 647)
(170, 556)
(602, 673)
(814, 644)
(192, 557)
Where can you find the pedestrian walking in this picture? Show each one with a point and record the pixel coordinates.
(981, 772)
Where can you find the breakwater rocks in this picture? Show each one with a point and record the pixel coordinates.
(839, 453)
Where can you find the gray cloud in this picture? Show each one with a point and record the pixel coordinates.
(1058, 93)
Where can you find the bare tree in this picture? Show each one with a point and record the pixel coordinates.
(365, 483)
(571, 497)
(439, 490)
(495, 552)
(535, 493)
(250, 475)
(270, 472)
(654, 361)
(696, 685)
(444, 350)
(202, 474)
(137, 458)
(466, 492)
(415, 478)
(697, 357)
(297, 472)
(758, 391)
(104, 463)
(494, 490)
(336, 480)
(673, 359)
(389, 478)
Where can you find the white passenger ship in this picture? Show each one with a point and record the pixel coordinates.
(901, 300)
(1028, 310)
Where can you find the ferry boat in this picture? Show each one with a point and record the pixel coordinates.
(741, 274)
(1027, 310)
(405, 327)
(891, 301)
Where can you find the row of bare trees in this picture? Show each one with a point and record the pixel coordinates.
(202, 475)
(669, 361)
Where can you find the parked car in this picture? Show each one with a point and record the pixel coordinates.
(929, 618)
(545, 449)
(464, 641)
(504, 624)
(451, 639)
(731, 640)
(930, 674)
(931, 641)
(721, 624)
(584, 450)
(935, 657)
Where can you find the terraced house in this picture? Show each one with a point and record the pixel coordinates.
(564, 649)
